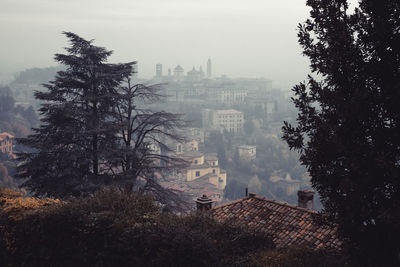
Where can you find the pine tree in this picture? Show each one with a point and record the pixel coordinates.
(348, 125)
(73, 144)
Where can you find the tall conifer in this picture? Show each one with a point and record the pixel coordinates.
(348, 130)
(77, 134)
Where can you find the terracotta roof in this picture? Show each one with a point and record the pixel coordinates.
(287, 224)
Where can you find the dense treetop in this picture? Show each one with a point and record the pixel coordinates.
(347, 129)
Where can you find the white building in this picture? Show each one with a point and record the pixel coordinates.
(229, 120)
(230, 96)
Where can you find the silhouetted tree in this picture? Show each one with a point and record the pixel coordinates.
(97, 128)
(348, 123)
(76, 135)
(144, 135)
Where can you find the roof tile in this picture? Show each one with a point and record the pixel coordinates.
(288, 224)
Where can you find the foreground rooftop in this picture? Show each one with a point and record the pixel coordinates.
(287, 224)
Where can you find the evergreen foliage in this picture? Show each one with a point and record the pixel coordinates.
(76, 135)
(93, 130)
(349, 118)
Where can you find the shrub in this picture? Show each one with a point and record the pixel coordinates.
(298, 257)
(116, 228)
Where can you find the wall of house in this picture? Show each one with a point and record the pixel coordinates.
(192, 171)
(212, 162)
(6, 145)
(219, 179)
(231, 122)
(192, 146)
(197, 160)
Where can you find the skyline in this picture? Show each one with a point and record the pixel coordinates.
(253, 39)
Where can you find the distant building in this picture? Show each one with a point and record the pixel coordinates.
(178, 71)
(249, 152)
(6, 144)
(159, 71)
(195, 75)
(189, 146)
(230, 95)
(202, 174)
(205, 168)
(229, 120)
(209, 68)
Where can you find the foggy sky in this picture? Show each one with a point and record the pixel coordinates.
(253, 38)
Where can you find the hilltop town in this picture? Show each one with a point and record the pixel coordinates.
(229, 120)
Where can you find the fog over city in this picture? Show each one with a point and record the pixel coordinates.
(200, 133)
(254, 38)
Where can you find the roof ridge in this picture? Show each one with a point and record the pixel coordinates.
(268, 200)
(286, 204)
(230, 203)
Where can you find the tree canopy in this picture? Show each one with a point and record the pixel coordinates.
(92, 130)
(347, 129)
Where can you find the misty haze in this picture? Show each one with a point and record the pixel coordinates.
(176, 133)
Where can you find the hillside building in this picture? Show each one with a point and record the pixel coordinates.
(205, 168)
(6, 144)
(229, 120)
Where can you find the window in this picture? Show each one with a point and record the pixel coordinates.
(213, 170)
(197, 173)
(195, 161)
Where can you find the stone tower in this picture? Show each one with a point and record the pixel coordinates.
(209, 68)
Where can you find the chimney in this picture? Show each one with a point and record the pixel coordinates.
(246, 192)
(204, 203)
(306, 199)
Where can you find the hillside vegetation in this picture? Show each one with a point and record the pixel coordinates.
(116, 228)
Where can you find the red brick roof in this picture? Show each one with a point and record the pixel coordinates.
(287, 224)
